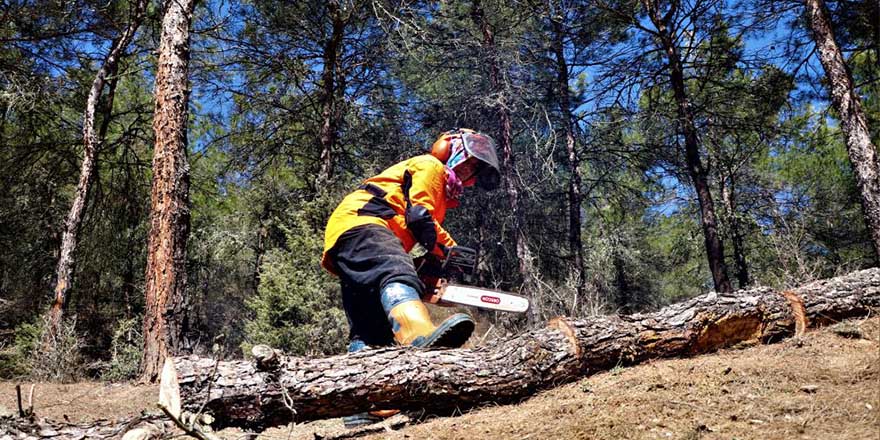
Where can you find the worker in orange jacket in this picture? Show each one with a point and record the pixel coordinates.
(370, 234)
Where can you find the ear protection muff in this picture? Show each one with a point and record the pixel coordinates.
(442, 147)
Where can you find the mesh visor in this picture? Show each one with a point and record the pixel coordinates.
(482, 147)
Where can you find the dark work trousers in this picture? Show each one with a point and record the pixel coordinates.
(367, 258)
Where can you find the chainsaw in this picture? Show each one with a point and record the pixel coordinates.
(459, 263)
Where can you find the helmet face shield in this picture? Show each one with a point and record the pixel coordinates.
(482, 147)
(472, 155)
(458, 154)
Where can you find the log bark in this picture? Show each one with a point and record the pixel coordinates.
(253, 395)
(169, 209)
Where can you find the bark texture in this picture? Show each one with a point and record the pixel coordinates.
(853, 123)
(169, 210)
(735, 228)
(91, 144)
(699, 174)
(329, 114)
(574, 183)
(244, 393)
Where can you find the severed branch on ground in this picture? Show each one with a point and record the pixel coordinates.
(140, 427)
(259, 394)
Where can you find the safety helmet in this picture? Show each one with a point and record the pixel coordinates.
(455, 147)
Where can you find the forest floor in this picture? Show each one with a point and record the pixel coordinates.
(824, 386)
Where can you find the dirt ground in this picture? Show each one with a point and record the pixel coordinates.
(825, 386)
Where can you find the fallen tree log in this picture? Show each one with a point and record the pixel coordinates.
(282, 389)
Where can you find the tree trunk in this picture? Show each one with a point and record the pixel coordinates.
(623, 299)
(728, 198)
(853, 123)
(574, 184)
(91, 144)
(262, 238)
(875, 28)
(328, 104)
(248, 394)
(523, 253)
(164, 317)
(697, 172)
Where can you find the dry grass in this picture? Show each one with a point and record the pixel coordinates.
(82, 401)
(826, 386)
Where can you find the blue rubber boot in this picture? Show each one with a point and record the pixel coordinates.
(411, 323)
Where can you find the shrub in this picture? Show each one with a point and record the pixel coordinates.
(15, 359)
(126, 350)
(62, 361)
(296, 307)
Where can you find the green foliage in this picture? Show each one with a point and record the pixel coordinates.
(777, 167)
(813, 226)
(58, 360)
(865, 67)
(126, 350)
(679, 258)
(15, 360)
(297, 305)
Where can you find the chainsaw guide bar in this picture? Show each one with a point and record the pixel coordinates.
(483, 298)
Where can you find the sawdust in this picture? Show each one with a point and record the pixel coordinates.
(821, 386)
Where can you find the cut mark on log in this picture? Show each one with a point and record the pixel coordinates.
(267, 358)
(799, 311)
(565, 327)
(726, 331)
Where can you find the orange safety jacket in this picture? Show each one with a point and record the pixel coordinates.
(380, 201)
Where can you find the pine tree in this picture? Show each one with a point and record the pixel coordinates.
(165, 316)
